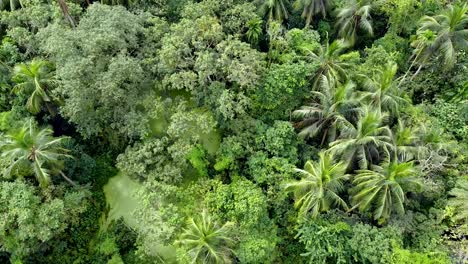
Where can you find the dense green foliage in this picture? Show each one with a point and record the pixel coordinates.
(234, 131)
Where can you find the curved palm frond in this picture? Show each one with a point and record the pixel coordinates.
(382, 91)
(311, 8)
(327, 114)
(365, 141)
(355, 16)
(383, 188)
(460, 199)
(37, 149)
(332, 67)
(34, 79)
(319, 190)
(451, 34)
(274, 9)
(206, 241)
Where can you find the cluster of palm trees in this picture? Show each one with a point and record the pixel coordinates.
(360, 127)
(352, 19)
(357, 128)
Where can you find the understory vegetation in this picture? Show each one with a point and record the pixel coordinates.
(233, 131)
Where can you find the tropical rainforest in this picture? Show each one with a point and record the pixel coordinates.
(233, 131)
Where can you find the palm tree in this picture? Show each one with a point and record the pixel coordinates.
(383, 188)
(355, 16)
(310, 8)
(35, 79)
(206, 242)
(331, 65)
(460, 199)
(404, 142)
(423, 46)
(382, 92)
(36, 149)
(327, 113)
(450, 27)
(274, 9)
(364, 141)
(254, 30)
(319, 190)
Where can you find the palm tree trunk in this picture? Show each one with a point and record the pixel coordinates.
(416, 73)
(324, 136)
(63, 5)
(68, 179)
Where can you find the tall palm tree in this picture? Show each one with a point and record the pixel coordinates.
(383, 188)
(327, 113)
(274, 9)
(310, 8)
(354, 17)
(319, 190)
(452, 35)
(423, 46)
(365, 141)
(36, 149)
(460, 199)
(382, 90)
(331, 65)
(207, 242)
(35, 79)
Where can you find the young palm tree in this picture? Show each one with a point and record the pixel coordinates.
(310, 8)
(452, 34)
(206, 242)
(354, 17)
(460, 199)
(319, 190)
(254, 30)
(364, 141)
(382, 91)
(325, 115)
(331, 65)
(35, 79)
(36, 149)
(383, 188)
(404, 142)
(274, 9)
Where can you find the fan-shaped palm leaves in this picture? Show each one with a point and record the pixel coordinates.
(274, 9)
(383, 188)
(325, 115)
(319, 190)
(310, 8)
(382, 91)
(331, 65)
(355, 16)
(34, 148)
(452, 35)
(207, 242)
(365, 141)
(460, 199)
(35, 79)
